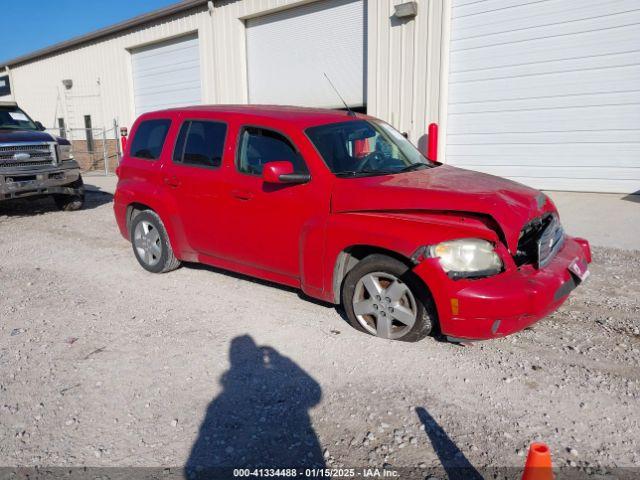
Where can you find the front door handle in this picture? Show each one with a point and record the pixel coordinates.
(172, 181)
(242, 194)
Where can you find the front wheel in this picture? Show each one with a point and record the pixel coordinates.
(71, 203)
(383, 297)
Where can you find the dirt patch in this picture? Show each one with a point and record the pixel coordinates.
(200, 367)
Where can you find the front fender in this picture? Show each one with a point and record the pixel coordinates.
(399, 232)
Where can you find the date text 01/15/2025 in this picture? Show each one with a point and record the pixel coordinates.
(316, 472)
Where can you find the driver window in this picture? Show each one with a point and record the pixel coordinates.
(259, 146)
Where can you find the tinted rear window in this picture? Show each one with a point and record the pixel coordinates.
(149, 139)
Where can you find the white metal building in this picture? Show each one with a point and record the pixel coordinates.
(546, 92)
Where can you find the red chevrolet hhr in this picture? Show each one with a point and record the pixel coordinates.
(345, 208)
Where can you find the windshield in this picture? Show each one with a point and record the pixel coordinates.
(361, 147)
(16, 119)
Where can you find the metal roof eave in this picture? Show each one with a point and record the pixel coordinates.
(103, 32)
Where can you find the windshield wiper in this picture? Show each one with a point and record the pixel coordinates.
(414, 166)
(365, 173)
(361, 173)
(346, 173)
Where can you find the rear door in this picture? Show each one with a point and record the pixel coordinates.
(194, 178)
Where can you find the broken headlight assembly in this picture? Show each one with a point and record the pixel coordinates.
(466, 258)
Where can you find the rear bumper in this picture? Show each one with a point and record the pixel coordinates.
(120, 212)
(506, 303)
(55, 179)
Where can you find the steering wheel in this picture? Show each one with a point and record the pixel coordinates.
(374, 161)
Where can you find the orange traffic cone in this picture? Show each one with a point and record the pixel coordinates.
(538, 466)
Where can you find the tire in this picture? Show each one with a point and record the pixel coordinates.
(151, 244)
(71, 203)
(403, 310)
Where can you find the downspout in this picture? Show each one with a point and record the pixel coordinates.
(12, 84)
(443, 97)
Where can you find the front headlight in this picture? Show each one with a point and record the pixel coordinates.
(64, 153)
(469, 257)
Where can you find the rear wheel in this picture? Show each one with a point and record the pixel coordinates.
(151, 244)
(383, 297)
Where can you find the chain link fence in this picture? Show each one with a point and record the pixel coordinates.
(95, 149)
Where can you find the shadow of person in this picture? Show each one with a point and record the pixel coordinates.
(455, 464)
(260, 420)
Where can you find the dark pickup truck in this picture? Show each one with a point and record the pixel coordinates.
(36, 163)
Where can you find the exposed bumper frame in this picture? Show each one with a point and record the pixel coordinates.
(54, 179)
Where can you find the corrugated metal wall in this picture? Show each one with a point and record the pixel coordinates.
(403, 65)
(403, 59)
(547, 93)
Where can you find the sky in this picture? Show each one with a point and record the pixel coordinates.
(29, 25)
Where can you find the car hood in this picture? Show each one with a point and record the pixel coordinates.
(445, 189)
(18, 136)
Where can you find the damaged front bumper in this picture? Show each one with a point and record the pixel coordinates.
(21, 182)
(496, 306)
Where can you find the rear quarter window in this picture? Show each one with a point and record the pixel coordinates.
(200, 143)
(149, 138)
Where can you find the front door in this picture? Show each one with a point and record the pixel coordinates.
(268, 220)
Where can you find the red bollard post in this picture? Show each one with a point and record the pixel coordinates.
(123, 138)
(432, 145)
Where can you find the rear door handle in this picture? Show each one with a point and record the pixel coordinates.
(172, 181)
(242, 194)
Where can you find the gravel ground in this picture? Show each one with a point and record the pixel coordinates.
(103, 364)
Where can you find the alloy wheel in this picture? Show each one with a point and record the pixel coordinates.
(384, 305)
(146, 240)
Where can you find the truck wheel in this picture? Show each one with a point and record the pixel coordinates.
(383, 297)
(151, 244)
(71, 203)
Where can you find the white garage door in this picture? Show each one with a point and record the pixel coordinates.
(547, 93)
(166, 74)
(288, 53)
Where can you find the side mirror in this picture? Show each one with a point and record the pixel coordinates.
(282, 172)
(40, 127)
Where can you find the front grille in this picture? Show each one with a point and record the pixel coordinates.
(27, 155)
(539, 241)
(550, 241)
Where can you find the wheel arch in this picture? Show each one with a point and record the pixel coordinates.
(133, 209)
(172, 226)
(351, 256)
